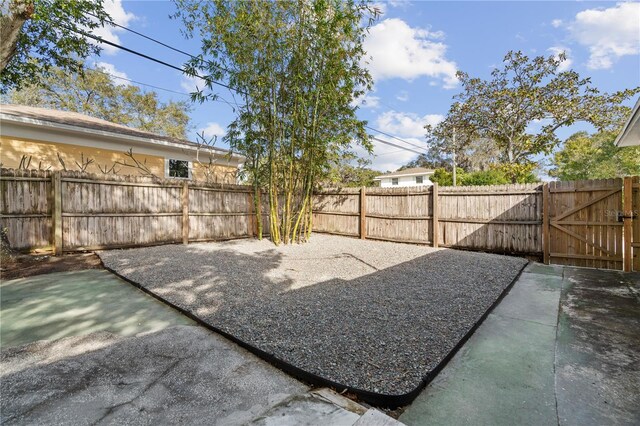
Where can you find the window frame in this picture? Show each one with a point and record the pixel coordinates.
(421, 180)
(395, 181)
(167, 175)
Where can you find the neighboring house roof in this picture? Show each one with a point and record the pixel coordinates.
(66, 120)
(630, 133)
(416, 171)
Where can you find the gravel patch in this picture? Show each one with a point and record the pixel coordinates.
(370, 315)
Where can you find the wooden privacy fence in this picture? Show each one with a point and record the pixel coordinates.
(69, 211)
(502, 218)
(580, 223)
(583, 223)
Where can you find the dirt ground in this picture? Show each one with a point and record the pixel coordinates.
(26, 265)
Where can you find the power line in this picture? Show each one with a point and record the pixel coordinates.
(145, 56)
(159, 88)
(390, 153)
(396, 138)
(138, 82)
(396, 146)
(402, 148)
(175, 49)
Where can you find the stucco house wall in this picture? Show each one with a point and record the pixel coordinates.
(42, 141)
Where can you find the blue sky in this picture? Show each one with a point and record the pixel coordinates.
(415, 49)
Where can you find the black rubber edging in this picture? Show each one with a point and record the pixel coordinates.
(373, 398)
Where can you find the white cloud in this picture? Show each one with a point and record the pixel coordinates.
(213, 129)
(400, 51)
(111, 70)
(568, 61)
(556, 23)
(608, 33)
(399, 3)
(110, 33)
(192, 84)
(406, 124)
(403, 96)
(367, 101)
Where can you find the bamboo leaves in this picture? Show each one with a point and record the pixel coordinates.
(298, 67)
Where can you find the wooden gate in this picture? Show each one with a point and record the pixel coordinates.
(581, 223)
(632, 223)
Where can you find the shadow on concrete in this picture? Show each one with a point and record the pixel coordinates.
(179, 375)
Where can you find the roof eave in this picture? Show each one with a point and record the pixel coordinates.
(114, 135)
(631, 124)
(408, 175)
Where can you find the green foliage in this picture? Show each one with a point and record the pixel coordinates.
(585, 156)
(346, 174)
(494, 176)
(45, 36)
(518, 173)
(485, 177)
(297, 68)
(521, 93)
(430, 160)
(94, 93)
(443, 177)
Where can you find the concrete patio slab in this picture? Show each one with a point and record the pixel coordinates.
(64, 304)
(598, 350)
(182, 374)
(534, 299)
(99, 351)
(561, 348)
(504, 373)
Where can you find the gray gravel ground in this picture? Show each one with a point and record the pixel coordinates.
(371, 315)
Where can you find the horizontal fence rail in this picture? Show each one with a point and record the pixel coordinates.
(500, 218)
(70, 211)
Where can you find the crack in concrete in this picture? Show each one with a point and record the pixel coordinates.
(522, 319)
(155, 381)
(555, 350)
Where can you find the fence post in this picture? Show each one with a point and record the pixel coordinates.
(185, 212)
(545, 224)
(56, 212)
(434, 215)
(627, 207)
(252, 218)
(363, 213)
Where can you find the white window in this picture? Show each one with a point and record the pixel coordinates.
(394, 181)
(419, 180)
(180, 169)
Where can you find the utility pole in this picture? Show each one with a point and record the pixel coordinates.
(454, 157)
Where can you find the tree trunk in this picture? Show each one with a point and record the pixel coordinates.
(19, 12)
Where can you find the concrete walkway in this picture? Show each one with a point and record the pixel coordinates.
(87, 348)
(561, 348)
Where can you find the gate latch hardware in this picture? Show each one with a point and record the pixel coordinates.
(622, 216)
